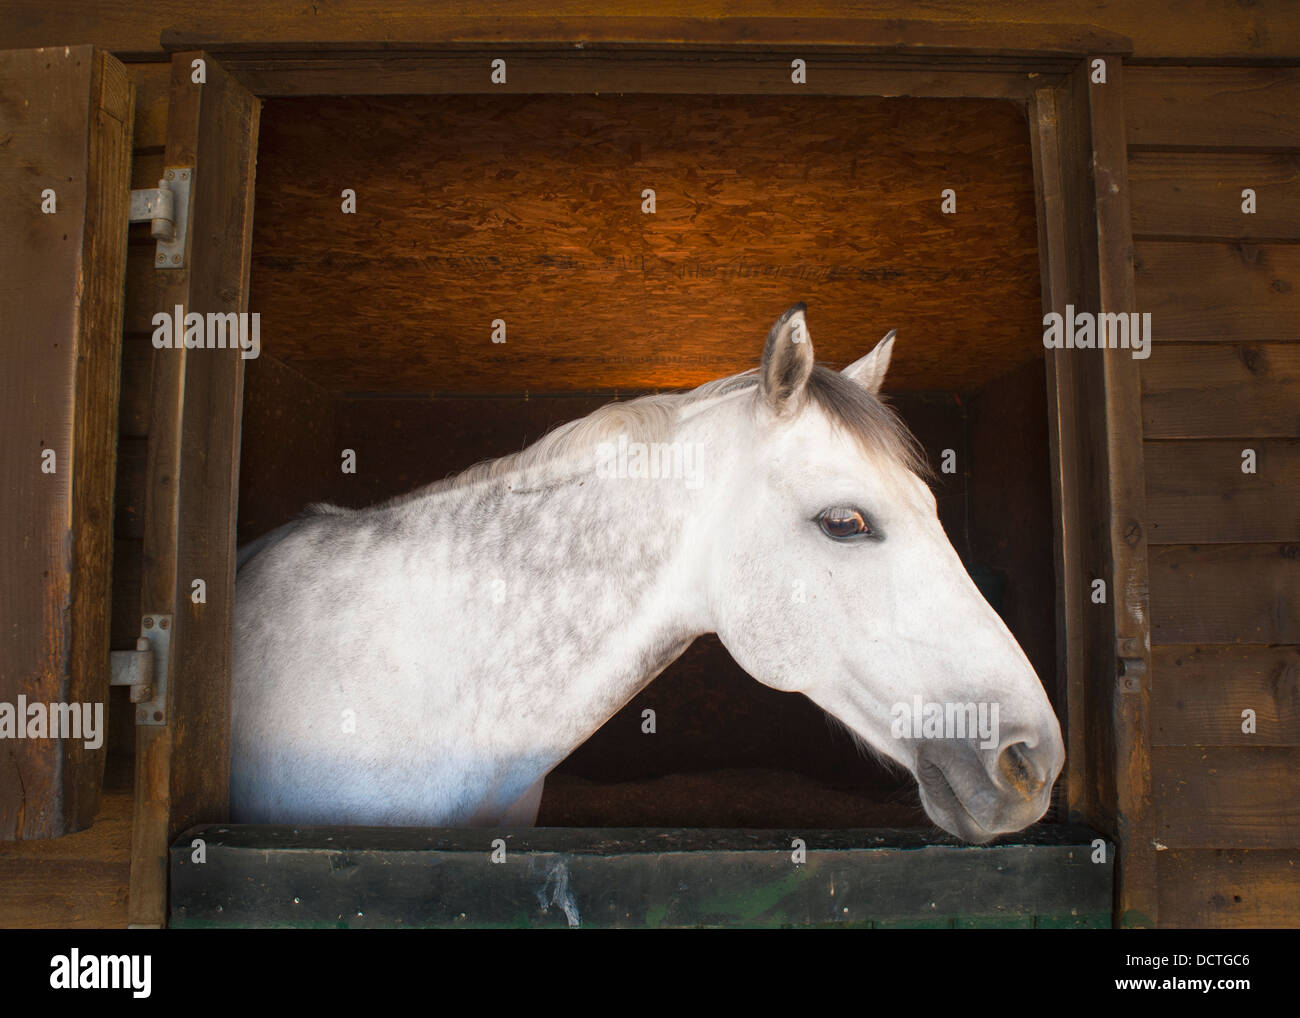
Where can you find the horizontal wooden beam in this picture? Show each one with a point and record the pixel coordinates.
(1225, 593)
(587, 71)
(595, 878)
(1199, 694)
(1213, 107)
(1218, 292)
(893, 35)
(1197, 492)
(1221, 390)
(1226, 797)
(1198, 196)
(1229, 889)
(1160, 29)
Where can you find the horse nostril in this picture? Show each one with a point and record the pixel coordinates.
(1016, 765)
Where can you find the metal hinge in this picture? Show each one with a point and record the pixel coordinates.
(145, 669)
(167, 208)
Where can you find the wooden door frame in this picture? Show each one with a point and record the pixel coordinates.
(1080, 169)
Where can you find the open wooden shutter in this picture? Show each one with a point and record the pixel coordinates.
(65, 159)
(183, 767)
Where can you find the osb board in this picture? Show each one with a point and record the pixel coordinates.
(528, 209)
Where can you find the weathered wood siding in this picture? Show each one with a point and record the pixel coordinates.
(1223, 283)
(1224, 556)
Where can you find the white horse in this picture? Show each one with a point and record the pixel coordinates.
(427, 661)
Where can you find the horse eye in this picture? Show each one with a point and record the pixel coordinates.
(841, 523)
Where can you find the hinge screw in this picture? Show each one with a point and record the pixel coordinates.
(148, 622)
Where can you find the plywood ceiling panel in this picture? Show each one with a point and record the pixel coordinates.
(528, 209)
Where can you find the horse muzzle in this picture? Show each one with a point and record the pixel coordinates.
(979, 793)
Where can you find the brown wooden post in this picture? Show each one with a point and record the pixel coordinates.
(1130, 705)
(65, 128)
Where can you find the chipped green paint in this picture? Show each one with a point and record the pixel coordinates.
(398, 878)
(748, 907)
(1007, 921)
(1081, 921)
(941, 922)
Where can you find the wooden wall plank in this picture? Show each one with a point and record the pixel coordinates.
(1227, 797)
(65, 121)
(1217, 390)
(137, 380)
(1199, 693)
(127, 555)
(182, 769)
(132, 461)
(1198, 494)
(1198, 196)
(1232, 593)
(1229, 889)
(152, 94)
(1265, 30)
(141, 300)
(1219, 292)
(1214, 107)
(146, 171)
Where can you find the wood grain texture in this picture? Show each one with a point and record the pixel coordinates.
(902, 36)
(1232, 593)
(605, 72)
(137, 381)
(1199, 693)
(132, 482)
(78, 881)
(1227, 797)
(1161, 29)
(1219, 292)
(65, 125)
(1135, 900)
(1198, 196)
(527, 209)
(152, 94)
(1198, 494)
(1055, 135)
(1213, 107)
(182, 769)
(127, 556)
(1217, 390)
(1227, 889)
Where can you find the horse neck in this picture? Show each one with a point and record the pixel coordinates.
(571, 588)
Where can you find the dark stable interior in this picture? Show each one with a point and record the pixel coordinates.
(375, 337)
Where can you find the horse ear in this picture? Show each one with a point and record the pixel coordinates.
(787, 360)
(869, 371)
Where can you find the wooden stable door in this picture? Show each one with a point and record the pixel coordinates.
(65, 198)
(182, 769)
(65, 152)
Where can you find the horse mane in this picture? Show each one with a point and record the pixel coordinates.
(859, 413)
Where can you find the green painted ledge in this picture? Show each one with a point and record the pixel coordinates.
(357, 877)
